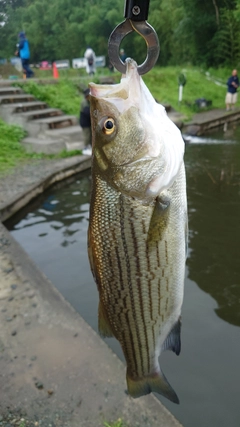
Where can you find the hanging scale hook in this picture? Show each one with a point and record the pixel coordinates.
(136, 13)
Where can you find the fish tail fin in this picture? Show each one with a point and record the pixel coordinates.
(153, 383)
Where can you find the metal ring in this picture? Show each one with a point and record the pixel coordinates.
(147, 32)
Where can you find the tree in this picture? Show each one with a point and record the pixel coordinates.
(189, 30)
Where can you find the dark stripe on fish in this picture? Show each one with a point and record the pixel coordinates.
(123, 336)
(122, 228)
(150, 289)
(159, 297)
(139, 287)
(158, 255)
(166, 251)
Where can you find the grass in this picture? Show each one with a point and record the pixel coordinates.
(118, 423)
(64, 95)
(12, 153)
(161, 81)
(163, 84)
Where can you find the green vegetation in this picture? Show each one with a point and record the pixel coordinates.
(118, 423)
(163, 84)
(63, 95)
(190, 31)
(12, 152)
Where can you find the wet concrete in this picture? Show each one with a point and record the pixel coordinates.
(203, 122)
(54, 369)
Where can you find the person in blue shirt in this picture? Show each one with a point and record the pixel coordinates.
(24, 54)
(122, 55)
(231, 96)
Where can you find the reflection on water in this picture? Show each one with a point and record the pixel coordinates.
(214, 213)
(53, 230)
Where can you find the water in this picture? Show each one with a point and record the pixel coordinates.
(206, 376)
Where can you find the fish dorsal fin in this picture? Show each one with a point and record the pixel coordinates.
(173, 340)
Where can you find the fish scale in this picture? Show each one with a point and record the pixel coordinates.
(144, 295)
(137, 232)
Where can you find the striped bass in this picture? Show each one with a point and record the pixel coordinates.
(138, 227)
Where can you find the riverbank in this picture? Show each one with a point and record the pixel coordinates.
(54, 369)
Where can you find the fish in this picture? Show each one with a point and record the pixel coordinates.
(137, 234)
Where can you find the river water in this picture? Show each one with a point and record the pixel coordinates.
(206, 375)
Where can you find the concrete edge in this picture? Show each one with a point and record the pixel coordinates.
(12, 206)
(27, 271)
(204, 126)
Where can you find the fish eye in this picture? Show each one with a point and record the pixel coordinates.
(109, 126)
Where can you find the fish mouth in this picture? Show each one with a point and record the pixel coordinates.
(123, 95)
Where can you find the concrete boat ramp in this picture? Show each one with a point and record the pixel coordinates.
(54, 369)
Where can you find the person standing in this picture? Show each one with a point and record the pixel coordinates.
(85, 123)
(231, 96)
(122, 55)
(90, 57)
(24, 53)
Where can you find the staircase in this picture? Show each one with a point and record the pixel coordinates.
(49, 129)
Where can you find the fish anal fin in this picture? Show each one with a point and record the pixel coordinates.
(157, 383)
(104, 326)
(159, 218)
(173, 340)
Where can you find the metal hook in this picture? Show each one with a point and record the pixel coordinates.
(146, 31)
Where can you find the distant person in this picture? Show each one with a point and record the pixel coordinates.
(122, 55)
(231, 96)
(85, 122)
(24, 53)
(90, 61)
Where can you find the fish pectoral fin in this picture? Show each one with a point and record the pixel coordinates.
(173, 340)
(152, 383)
(90, 256)
(104, 326)
(159, 219)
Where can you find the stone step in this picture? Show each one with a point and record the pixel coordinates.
(69, 134)
(37, 126)
(7, 111)
(57, 121)
(75, 145)
(24, 106)
(11, 99)
(50, 146)
(47, 146)
(23, 118)
(5, 91)
(42, 113)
